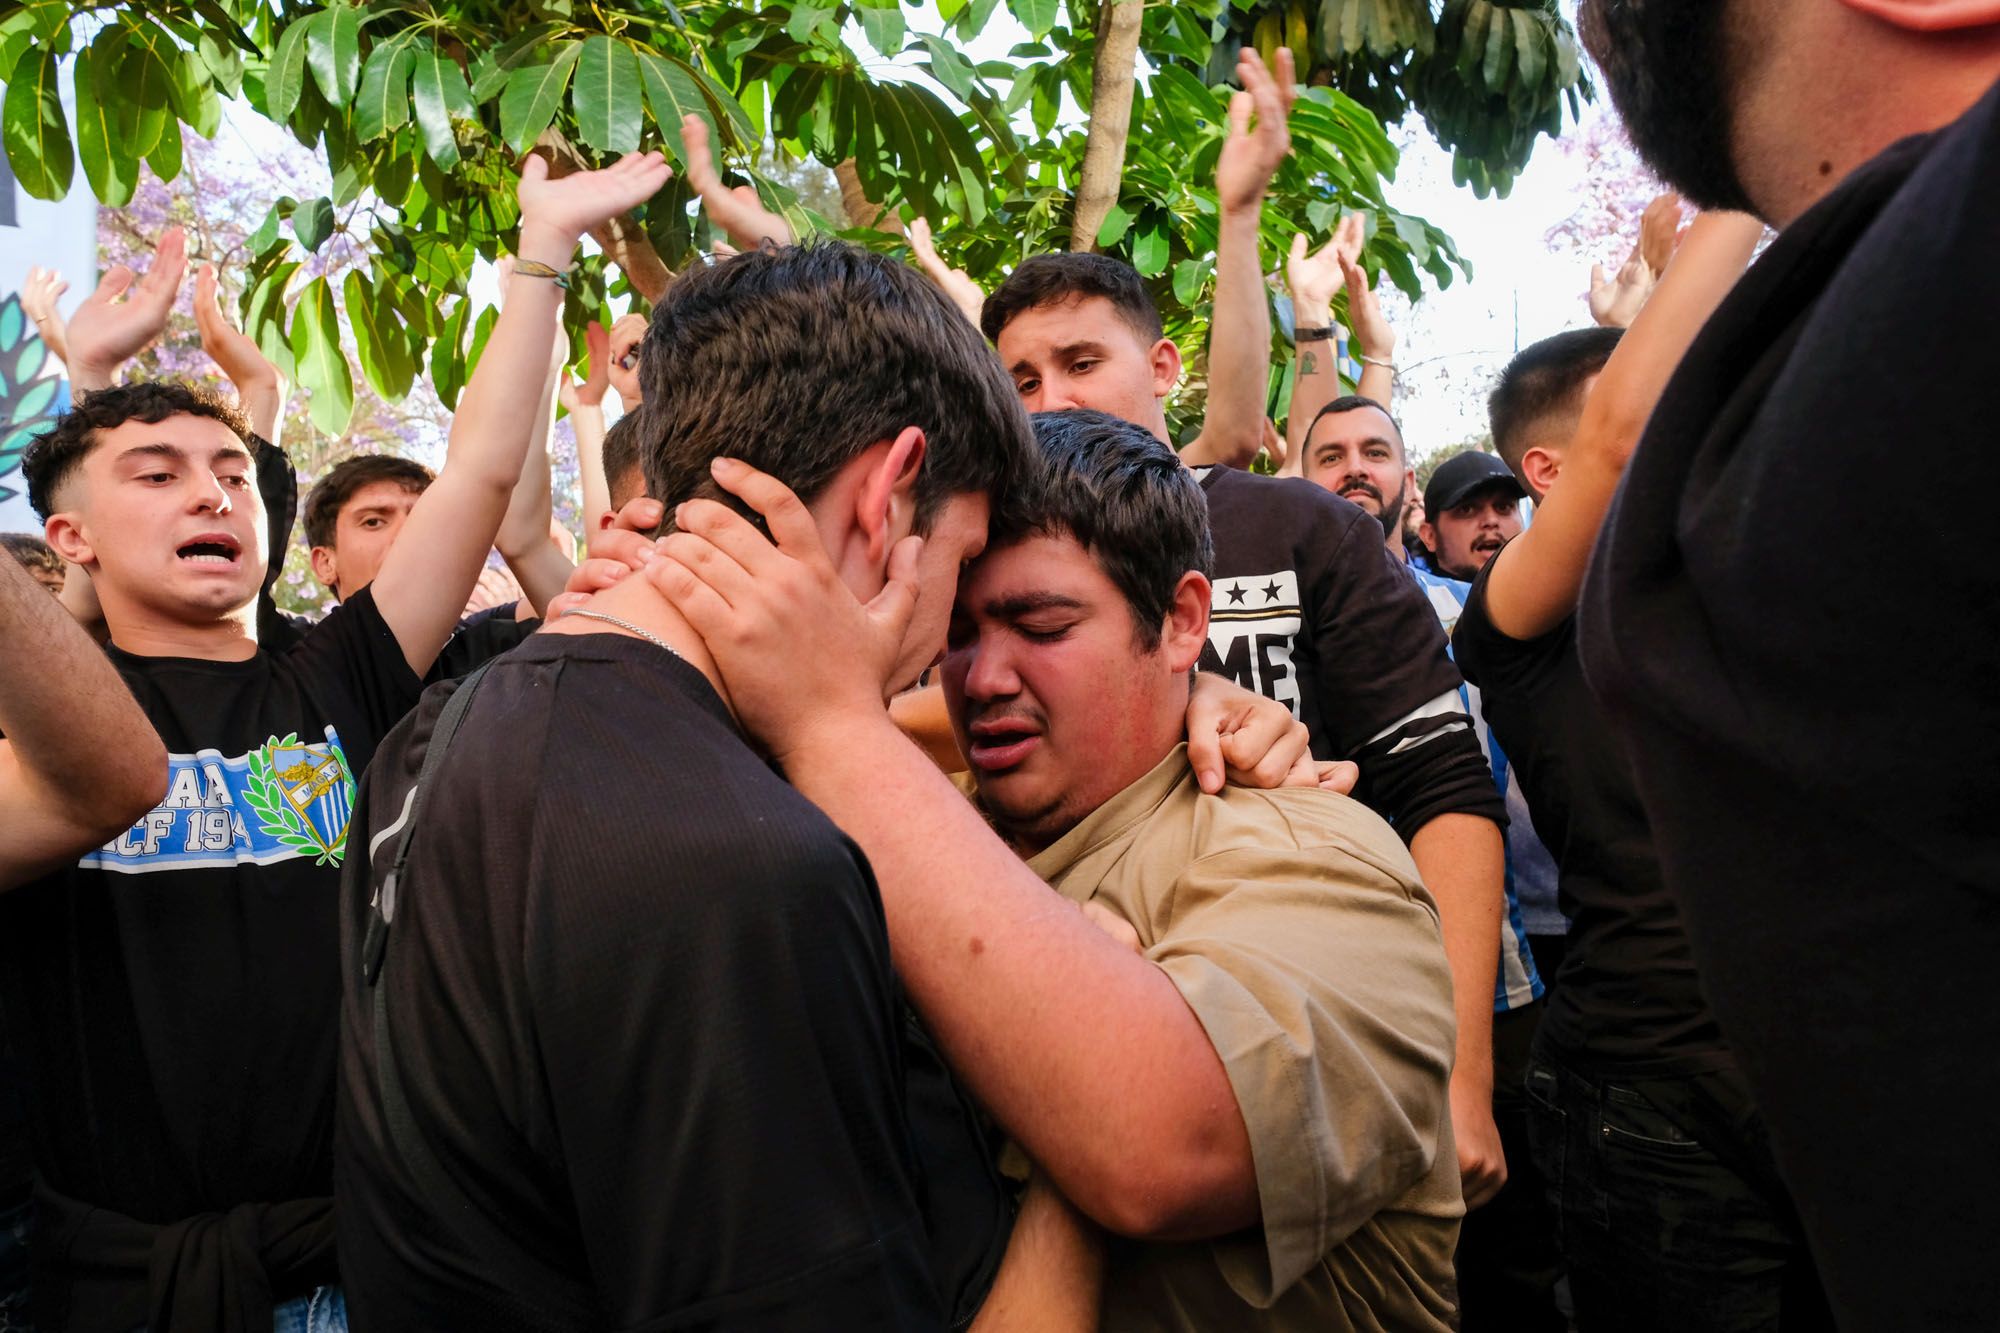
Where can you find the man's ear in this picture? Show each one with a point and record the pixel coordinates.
(1166, 360)
(887, 498)
(63, 533)
(325, 568)
(1428, 535)
(1187, 622)
(1930, 15)
(1539, 469)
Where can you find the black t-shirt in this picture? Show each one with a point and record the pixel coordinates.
(640, 999)
(1796, 634)
(175, 993)
(1310, 609)
(1627, 999)
(480, 637)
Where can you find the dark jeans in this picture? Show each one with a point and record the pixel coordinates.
(1671, 1215)
(1508, 1262)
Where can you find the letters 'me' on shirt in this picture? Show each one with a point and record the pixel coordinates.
(1295, 927)
(1309, 609)
(639, 996)
(175, 992)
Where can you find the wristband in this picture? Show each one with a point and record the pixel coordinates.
(1324, 333)
(1368, 360)
(529, 268)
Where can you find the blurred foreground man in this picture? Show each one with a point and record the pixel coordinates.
(1803, 667)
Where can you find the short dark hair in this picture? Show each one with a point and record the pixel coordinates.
(33, 553)
(622, 444)
(1125, 498)
(1543, 378)
(1353, 402)
(331, 492)
(795, 359)
(1046, 279)
(57, 453)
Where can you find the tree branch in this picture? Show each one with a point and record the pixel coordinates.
(1111, 78)
(854, 201)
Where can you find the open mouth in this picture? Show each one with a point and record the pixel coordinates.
(210, 549)
(1001, 744)
(1488, 545)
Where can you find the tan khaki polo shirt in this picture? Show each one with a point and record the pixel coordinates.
(1297, 929)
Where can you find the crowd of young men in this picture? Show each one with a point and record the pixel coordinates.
(654, 970)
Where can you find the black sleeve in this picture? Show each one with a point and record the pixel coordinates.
(722, 1038)
(1495, 662)
(1391, 692)
(478, 639)
(355, 649)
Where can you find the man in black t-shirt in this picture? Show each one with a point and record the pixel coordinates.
(1673, 1216)
(635, 1054)
(1802, 662)
(174, 992)
(353, 515)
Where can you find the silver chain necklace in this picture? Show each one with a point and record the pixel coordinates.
(643, 633)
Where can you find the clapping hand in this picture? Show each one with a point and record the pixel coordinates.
(1251, 155)
(740, 214)
(105, 332)
(39, 294)
(557, 212)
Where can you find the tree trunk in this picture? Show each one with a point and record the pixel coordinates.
(623, 239)
(1111, 77)
(854, 201)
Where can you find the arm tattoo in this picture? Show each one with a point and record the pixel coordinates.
(1308, 363)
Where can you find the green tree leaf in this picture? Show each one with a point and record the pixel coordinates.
(382, 105)
(333, 52)
(533, 95)
(438, 95)
(378, 340)
(194, 97)
(322, 366)
(107, 164)
(1037, 16)
(35, 132)
(313, 223)
(882, 25)
(607, 96)
(672, 91)
(286, 80)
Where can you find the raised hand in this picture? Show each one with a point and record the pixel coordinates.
(1250, 156)
(1615, 302)
(956, 282)
(557, 212)
(621, 361)
(39, 294)
(105, 332)
(1660, 231)
(1373, 336)
(740, 214)
(597, 375)
(259, 384)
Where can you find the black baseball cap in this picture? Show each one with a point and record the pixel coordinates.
(1459, 476)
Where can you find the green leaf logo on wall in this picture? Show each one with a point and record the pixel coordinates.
(28, 401)
(303, 796)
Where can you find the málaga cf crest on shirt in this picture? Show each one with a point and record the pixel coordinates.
(286, 799)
